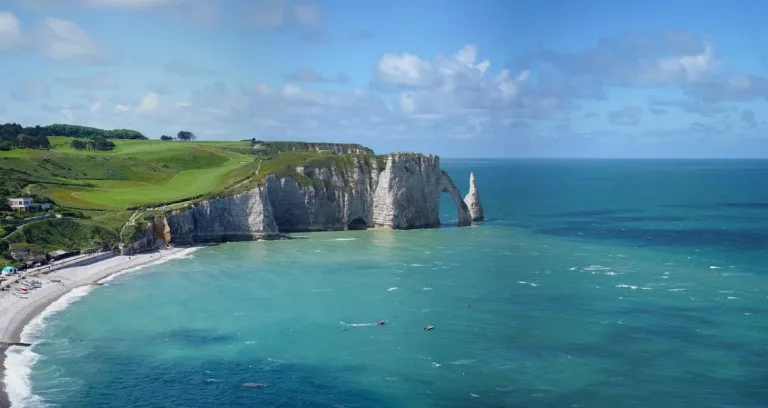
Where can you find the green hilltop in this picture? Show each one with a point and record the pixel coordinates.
(97, 179)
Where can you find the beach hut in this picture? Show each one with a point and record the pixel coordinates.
(10, 270)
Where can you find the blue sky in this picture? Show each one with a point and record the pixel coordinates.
(456, 78)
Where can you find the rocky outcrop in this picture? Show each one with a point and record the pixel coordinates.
(404, 194)
(149, 235)
(241, 217)
(473, 200)
(408, 193)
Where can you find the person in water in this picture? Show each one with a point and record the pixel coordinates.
(381, 323)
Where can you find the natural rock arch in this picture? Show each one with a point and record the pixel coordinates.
(447, 186)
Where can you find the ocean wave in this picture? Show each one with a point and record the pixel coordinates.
(20, 360)
(358, 324)
(183, 254)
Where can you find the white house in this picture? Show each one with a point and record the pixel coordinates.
(27, 204)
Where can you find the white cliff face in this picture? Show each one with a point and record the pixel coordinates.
(404, 194)
(473, 200)
(245, 216)
(408, 193)
(342, 202)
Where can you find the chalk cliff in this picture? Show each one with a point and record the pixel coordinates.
(408, 193)
(473, 200)
(403, 194)
(336, 148)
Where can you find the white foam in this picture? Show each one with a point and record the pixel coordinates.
(622, 285)
(714, 267)
(20, 360)
(426, 288)
(528, 283)
(392, 289)
(462, 362)
(185, 253)
(358, 324)
(417, 265)
(343, 239)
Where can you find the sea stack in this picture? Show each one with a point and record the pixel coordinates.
(473, 200)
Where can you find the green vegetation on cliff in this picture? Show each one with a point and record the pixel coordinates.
(98, 186)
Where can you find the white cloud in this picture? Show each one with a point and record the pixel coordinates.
(10, 31)
(96, 107)
(64, 40)
(149, 103)
(277, 13)
(404, 69)
(308, 14)
(267, 14)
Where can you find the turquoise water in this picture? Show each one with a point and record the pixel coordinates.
(592, 284)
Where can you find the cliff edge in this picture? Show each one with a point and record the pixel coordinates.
(402, 192)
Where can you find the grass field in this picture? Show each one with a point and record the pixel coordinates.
(107, 186)
(135, 173)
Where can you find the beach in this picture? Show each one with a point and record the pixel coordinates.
(16, 312)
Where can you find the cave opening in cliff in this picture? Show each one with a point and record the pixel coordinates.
(357, 224)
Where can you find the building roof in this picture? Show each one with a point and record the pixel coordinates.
(20, 198)
(58, 252)
(8, 269)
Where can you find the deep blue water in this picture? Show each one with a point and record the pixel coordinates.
(592, 284)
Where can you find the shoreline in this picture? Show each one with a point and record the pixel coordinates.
(16, 313)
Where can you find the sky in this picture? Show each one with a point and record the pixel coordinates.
(483, 78)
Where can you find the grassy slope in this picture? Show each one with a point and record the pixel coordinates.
(107, 186)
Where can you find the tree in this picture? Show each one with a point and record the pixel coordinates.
(6, 146)
(166, 137)
(87, 132)
(184, 135)
(101, 143)
(78, 145)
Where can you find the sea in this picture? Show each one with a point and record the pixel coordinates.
(592, 283)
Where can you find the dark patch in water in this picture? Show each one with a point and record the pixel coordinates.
(135, 380)
(589, 213)
(731, 238)
(747, 206)
(195, 337)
